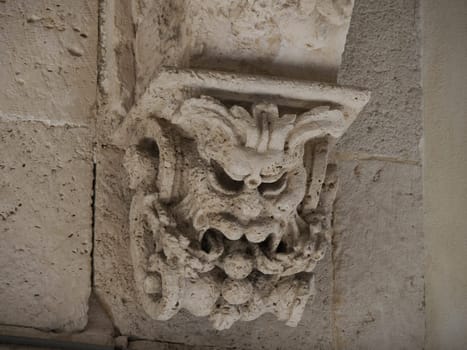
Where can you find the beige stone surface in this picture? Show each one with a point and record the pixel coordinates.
(99, 331)
(378, 257)
(48, 54)
(112, 258)
(383, 55)
(445, 171)
(45, 225)
(149, 345)
(296, 39)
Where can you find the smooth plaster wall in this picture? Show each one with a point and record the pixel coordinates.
(444, 79)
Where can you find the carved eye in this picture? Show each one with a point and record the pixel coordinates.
(273, 188)
(223, 181)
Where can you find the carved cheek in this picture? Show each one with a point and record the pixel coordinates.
(239, 163)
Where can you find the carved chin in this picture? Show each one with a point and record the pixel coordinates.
(256, 231)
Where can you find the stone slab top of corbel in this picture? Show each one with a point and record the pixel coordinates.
(173, 85)
(285, 89)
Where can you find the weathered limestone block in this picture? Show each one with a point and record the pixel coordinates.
(99, 330)
(48, 53)
(296, 39)
(383, 54)
(378, 256)
(45, 225)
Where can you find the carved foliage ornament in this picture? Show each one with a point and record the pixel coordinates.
(233, 192)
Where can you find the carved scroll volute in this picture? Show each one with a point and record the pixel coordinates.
(152, 165)
(230, 217)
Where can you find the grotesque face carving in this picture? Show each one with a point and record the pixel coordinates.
(249, 173)
(239, 214)
(247, 184)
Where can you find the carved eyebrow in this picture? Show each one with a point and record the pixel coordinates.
(217, 165)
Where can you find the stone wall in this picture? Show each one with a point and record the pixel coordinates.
(48, 53)
(71, 71)
(378, 253)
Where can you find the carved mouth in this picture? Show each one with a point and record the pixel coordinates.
(255, 232)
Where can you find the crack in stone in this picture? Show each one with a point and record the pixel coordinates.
(93, 220)
(157, 341)
(47, 122)
(348, 156)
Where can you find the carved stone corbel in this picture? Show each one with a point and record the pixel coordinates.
(233, 191)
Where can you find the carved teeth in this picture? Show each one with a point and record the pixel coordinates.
(257, 237)
(238, 265)
(233, 235)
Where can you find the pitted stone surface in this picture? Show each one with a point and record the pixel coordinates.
(48, 55)
(296, 39)
(45, 225)
(211, 181)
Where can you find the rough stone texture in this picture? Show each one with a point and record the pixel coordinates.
(99, 330)
(112, 258)
(383, 55)
(48, 53)
(45, 223)
(296, 39)
(378, 257)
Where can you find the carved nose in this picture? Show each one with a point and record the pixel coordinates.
(252, 181)
(248, 208)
